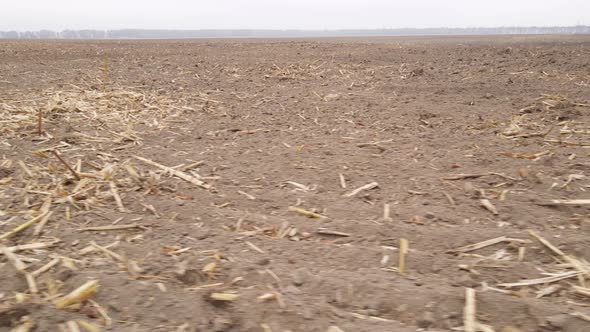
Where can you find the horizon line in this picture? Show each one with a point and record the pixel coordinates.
(304, 29)
(132, 33)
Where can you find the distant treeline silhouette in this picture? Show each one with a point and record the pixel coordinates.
(245, 33)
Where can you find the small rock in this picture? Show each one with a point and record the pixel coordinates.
(307, 314)
(299, 276)
(465, 281)
(64, 274)
(290, 289)
(11, 314)
(521, 224)
(576, 325)
(190, 277)
(470, 188)
(334, 329)
(417, 72)
(263, 261)
(436, 267)
(331, 96)
(423, 269)
(221, 324)
(558, 321)
(429, 215)
(567, 323)
(5, 172)
(114, 307)
(510, 328)
(426, 320)
(204, 235)
(488, 96)
(416, 220)
(401, 308)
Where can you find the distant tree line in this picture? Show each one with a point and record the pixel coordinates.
(172, 34)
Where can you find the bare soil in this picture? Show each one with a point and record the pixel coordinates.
(444, 126)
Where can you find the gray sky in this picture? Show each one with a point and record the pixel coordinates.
(287, 14)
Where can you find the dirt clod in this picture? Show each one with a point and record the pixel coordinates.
(426, 320)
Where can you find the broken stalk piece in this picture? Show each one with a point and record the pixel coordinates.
(57, 155)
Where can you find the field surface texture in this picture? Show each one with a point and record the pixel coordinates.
(358, 185)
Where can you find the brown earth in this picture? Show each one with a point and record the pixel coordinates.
(275, 123)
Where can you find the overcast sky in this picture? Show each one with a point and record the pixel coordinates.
(287, 14)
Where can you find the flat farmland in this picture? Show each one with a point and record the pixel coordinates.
(378, 184)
